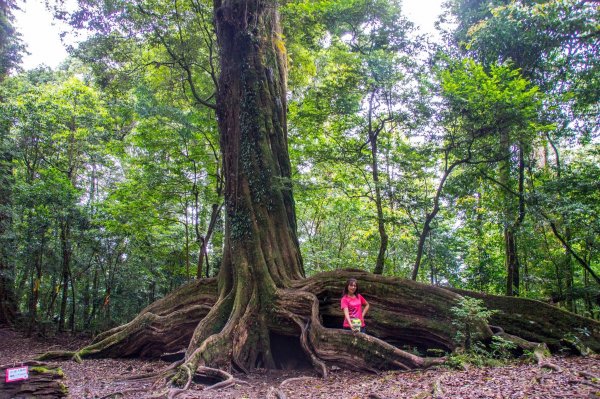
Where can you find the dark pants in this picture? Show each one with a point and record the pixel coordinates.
(362, 329)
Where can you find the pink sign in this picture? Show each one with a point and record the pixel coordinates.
(17, 374)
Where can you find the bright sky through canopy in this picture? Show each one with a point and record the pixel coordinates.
(42, 35)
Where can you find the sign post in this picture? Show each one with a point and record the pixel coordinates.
(17, 374)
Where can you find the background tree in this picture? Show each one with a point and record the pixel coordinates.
(553, 44)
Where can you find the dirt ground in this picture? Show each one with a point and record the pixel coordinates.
(97, 378)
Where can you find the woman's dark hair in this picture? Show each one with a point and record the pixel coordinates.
(350, 280)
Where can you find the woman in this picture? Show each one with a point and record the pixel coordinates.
(352, 305)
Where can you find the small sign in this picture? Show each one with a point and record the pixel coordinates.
(17, 374)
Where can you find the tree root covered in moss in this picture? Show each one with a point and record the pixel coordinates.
(244, 330)
(44, 382)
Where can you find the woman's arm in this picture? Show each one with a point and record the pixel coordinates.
(347, 315)
(366, 309)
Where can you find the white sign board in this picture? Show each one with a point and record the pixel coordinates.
(17, 374)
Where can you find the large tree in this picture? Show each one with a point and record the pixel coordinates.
(260, 310)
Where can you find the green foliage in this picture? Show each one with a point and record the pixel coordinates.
(468, 314)
(121, 146)
(498, 352)
(11, 47)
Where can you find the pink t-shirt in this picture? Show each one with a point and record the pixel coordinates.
(354, 306)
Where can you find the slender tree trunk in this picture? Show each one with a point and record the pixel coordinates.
(373, 140)
(107, 319)
(73, 305)
(482, 257)
(95, 299)
(512, 222)
(65, 238)
(203, 240)
(85, 303)
(512, 262)
(431, 215)
(53, 295)
(187, 241)
(34, 296)
(569, 280)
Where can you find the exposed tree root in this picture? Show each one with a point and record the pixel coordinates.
(361, 351)
(587, 375)
(234, 331)
(540, 351)
(551, 366)
(295, 379)
(537, 321)
(591, 384)
(403, 312)
(227, 379)
(274, 393)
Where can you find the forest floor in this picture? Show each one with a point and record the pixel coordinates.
(97, 378)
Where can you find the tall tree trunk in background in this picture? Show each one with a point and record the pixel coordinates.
(36, 281)
(511, 260)
(482, 256)
(373, 132)
(85, 305)
(432, 214)
(512, 219)
(568, 273)
(65, 243)
(203, 240)
(94, 298)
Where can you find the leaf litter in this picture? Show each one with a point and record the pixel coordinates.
(97, 378)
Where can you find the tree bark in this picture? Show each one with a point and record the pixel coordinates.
(65, 238)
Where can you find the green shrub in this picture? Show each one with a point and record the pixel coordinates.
(468, 314)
